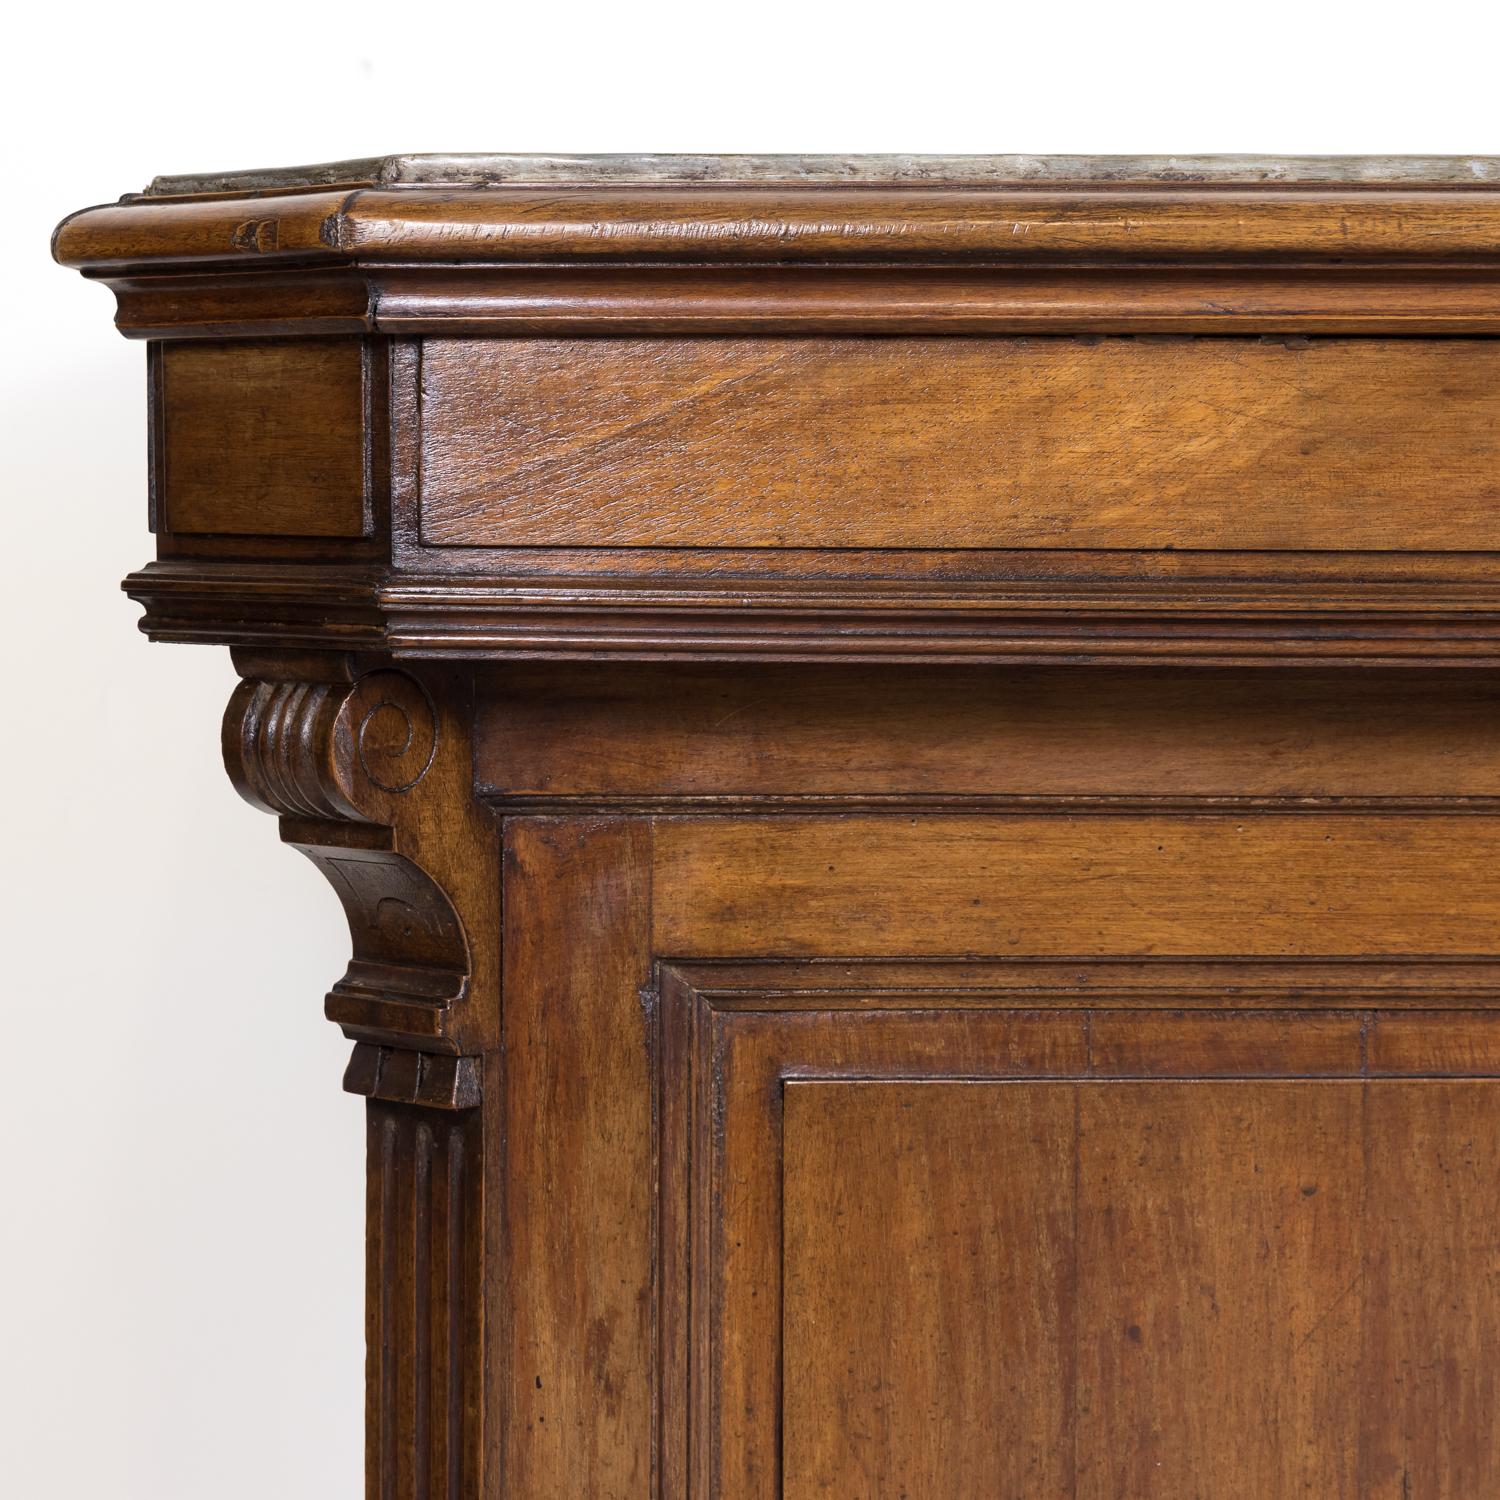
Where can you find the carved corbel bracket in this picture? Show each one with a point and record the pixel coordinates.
(369, 773)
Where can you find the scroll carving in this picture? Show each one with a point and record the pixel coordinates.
(303, 749)
(369, 777)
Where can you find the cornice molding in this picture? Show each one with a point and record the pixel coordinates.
(394, 249)
(1165, 257)
(1184, 621)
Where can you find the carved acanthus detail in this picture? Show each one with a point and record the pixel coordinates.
(370, 780)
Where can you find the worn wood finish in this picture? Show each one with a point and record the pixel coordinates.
(426, 245)
(1429, 1265)
(922, 909)
(678, 222)
(1364, 445)
(1219, 1239)
(578, 1386)
(1154, 1259)
(1408, 1044)
(880, 1312)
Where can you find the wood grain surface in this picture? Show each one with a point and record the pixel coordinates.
(1159, 1295)
(944, 1363)
(576, 1389)
(1188, 886)
(264, 439)
(1420, 225)
(922, 891)
(1219, 1247)
(644, 733)
(962, 443)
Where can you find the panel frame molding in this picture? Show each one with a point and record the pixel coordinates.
(733, 1036)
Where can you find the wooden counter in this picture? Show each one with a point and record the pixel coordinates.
(910, 748)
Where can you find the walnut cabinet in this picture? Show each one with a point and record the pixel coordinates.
(912, 753)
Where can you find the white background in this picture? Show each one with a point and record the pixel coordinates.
(181, 1189)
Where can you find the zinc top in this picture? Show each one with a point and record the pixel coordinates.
(487, 169)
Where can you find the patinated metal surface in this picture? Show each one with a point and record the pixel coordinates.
(481, 169)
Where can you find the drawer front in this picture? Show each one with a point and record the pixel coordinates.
(962, 443)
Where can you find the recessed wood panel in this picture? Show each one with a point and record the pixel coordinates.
(263, 438)
(1219, 1248)
(1331, 445)
(1431, 1290)
(928, 1298)
(887, 886)
(1239, 1289)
